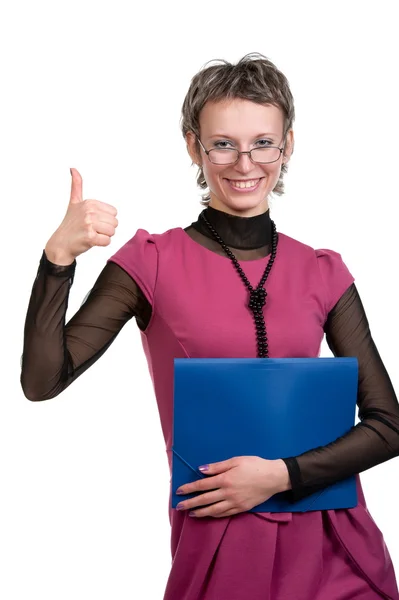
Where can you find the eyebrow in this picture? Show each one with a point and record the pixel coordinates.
(224, 135)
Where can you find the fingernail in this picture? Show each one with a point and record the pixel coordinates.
(179, 506)
(179, 492)
(191, 514)
(203, 468)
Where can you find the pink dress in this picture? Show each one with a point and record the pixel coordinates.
(198, 303)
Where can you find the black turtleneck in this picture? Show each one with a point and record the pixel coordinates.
(115, 298)
(249, 238)
(244, 233)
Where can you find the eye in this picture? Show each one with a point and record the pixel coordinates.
(217, 144)
(266, 142)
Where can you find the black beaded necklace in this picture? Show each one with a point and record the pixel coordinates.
(257, 296)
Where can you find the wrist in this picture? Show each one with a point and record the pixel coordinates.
(56, 255)
(283, 476)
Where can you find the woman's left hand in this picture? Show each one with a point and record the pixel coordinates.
(237, 485)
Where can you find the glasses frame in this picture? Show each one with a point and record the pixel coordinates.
(207, 152)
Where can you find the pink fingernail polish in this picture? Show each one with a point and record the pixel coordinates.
(203, 468)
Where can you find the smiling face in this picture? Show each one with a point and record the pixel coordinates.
(243, 125)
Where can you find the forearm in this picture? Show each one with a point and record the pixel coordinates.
(44, 359)
(362, 448)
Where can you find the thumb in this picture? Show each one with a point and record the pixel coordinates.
(76, 187)
(216, 468)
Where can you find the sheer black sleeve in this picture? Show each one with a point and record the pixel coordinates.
(375, 439)
(55, 353)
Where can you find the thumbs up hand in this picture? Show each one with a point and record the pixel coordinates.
(87, 223)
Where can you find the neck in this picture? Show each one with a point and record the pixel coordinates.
(236, 231)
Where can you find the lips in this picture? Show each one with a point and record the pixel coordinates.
(244, 180)
(244, 189)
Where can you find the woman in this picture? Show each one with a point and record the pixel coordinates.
(189, 295)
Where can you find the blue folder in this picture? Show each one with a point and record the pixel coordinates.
(272, 408)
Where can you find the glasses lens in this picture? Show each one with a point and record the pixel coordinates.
(228, 156)
(265, 155)
(223, 157)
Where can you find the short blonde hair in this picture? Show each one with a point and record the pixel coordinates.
(253, 78)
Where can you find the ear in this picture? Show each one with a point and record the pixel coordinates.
(289, 146)
(191, 142)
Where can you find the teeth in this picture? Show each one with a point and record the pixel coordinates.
(244, 184)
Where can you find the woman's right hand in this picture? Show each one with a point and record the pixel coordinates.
(87, 223)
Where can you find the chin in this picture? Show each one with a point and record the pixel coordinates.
(246, 206)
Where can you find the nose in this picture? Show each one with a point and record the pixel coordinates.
(244, 164)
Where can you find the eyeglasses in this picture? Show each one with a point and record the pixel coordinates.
(229, 156)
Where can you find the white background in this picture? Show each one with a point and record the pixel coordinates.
(94, 85)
